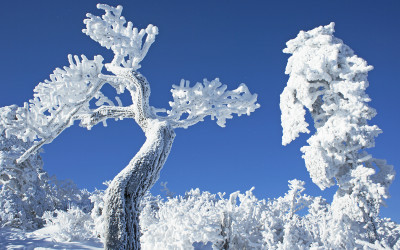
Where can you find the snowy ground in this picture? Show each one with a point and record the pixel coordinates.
(11, 238)
(17, 239)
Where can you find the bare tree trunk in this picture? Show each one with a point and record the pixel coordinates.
(121, 209)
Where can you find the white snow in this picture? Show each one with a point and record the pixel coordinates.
(11, 238)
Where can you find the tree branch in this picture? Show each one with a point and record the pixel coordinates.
(103, 113)
(67, 122)
(210, 98)
(139, 89)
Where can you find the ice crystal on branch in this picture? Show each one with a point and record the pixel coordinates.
(125, 41)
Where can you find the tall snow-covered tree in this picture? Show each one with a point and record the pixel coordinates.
(329, 80)
(66, 97)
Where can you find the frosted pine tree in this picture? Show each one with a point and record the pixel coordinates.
(65, 98)
(329, 80)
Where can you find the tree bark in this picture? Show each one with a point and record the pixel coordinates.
(122, 200)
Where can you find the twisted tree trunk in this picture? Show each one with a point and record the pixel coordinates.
(123, 196)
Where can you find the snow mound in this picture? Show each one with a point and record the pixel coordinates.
(11, 238)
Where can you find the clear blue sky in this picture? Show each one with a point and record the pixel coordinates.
(237, 41)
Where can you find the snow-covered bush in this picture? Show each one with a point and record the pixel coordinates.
(240, 221)
(202, 220)
(282, 226)
(71, 225)
(181, 221)
(65, 193)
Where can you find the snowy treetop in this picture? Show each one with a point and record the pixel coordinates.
(124, 40)
(321, 64)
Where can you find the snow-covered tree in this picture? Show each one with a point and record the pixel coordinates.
(26, 189)
(329, 80)
(66, 97)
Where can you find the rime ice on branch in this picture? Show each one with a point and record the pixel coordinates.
(65, 98)
(329, 80)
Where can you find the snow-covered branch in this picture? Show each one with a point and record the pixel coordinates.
(209, 98)
(56, 102)
(103, 113)
(125, 41)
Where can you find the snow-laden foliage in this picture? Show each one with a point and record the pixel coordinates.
(193, 220)
(202, 220)
(241, 221)
(329, 80)
(71, 225)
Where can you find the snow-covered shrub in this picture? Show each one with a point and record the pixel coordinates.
(202, 220)
(282, 226)
(181, 221)
(65, 193)
(238, 222)
(71, 225)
